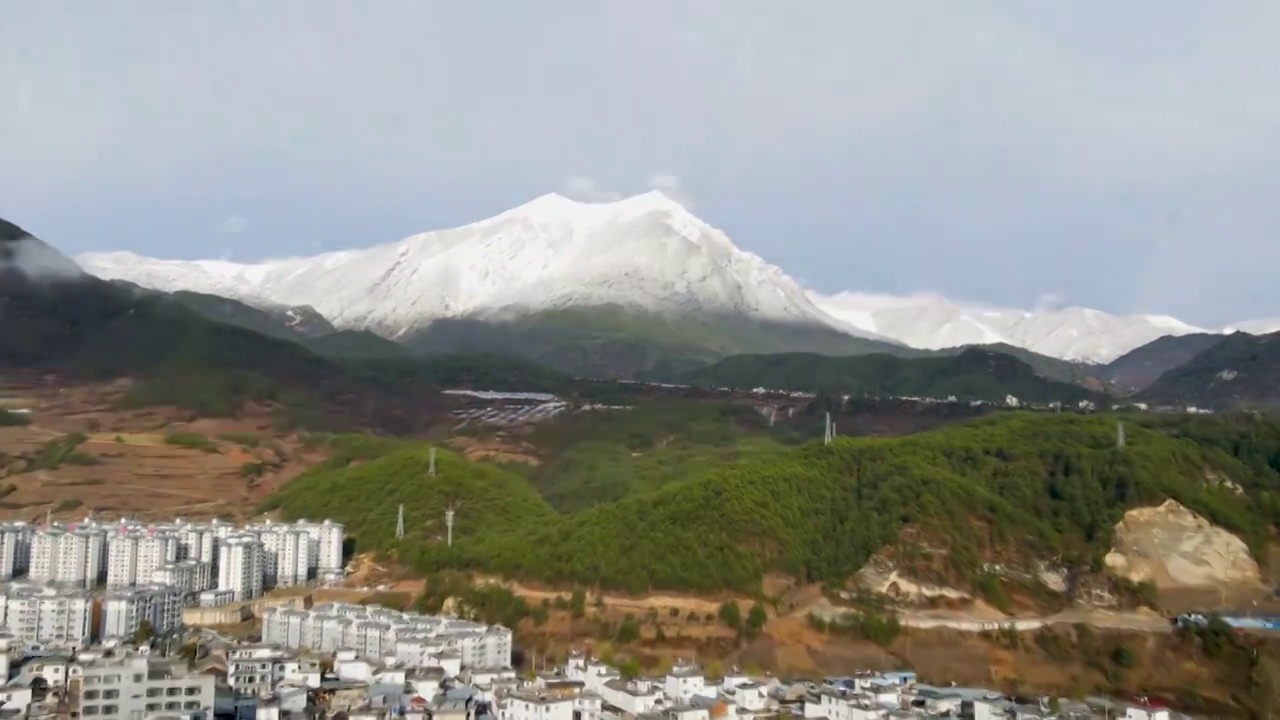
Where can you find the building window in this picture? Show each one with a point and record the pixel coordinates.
(110, 694)
(89, 710)
(91, 695)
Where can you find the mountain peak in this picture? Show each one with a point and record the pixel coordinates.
(644, 252)
(557, 207)
(28, 256)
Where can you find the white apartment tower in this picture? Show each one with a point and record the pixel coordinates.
(134, 555)
(286, 553)
(197, 542)
(48, 616)
(15, 549)
(124, 612)
(191, 576)
(240, 566)
(325, 549)
(67, 555)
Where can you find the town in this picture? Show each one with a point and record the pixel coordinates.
(116, 620)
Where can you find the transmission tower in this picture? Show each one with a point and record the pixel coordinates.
(448, 522)
(400, 523)
(431, 462)
(1119, 434)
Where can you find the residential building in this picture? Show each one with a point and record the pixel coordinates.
(192, 576)
(123, 612)
(134, 554)
(67, 555)
(48, 616)
(377, 632)
(15, 549)
(240, 567)
(137, 686)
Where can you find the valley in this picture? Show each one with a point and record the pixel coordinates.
(650, 479)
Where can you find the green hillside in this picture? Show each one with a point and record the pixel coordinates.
(1008, 487)
(612, 341)
(592, 458)
(1242, 371)
(973, 374)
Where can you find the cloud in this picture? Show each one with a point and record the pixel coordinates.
(580, 187)
(234, 225)
(983, 149)
(671, 186)
(1049, 301)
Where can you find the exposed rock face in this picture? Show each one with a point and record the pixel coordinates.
(1175, 548)
(882, 576)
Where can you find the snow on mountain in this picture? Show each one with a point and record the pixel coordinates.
(1255, 327)
(646, 252)
(929, 321)
(23, 253)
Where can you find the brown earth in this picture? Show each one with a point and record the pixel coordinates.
(497, 449)
(135, 471)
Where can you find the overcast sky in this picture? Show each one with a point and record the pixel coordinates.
(1122, 156)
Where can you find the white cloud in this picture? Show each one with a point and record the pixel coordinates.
(234, 225)
(1049, 301)
(671, 186)
(581, 187)
(854, 143)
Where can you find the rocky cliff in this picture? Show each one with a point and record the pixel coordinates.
(1173, 547)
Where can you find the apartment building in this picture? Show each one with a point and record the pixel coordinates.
(286, 554)
(47, 616)
(123, 612)
(126, 553)
(138, 686)
(240, 565)
(15, 549)
(192, 576)
(134, 554)
(377, 632)
(68, 555)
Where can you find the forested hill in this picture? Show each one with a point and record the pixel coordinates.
(1013, 487)
(972, 374)
(1241, 371)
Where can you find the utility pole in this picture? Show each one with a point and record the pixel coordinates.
(400, 523)
(448, 522)
(431, 462)
(1120, 435)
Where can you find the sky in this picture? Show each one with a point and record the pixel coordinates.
(1120, 156)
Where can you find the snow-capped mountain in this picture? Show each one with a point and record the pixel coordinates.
(932, 322)
(646, 252)
(21, 253)
(1255, 327)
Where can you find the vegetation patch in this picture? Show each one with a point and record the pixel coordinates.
(1008, 488)
(192, 440)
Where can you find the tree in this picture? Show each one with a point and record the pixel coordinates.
(730, 614)
(143, 634)
(756, 618)
(629, 630)
(578, 603)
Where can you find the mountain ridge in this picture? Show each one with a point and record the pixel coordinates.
(932, 322)
(647, 252)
